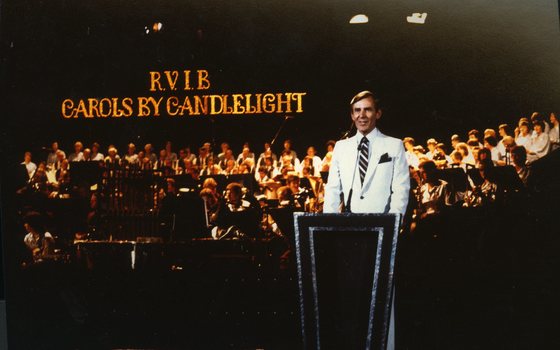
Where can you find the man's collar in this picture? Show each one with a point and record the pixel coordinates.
(371, 136)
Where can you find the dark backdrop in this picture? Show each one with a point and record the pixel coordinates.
(471, 65)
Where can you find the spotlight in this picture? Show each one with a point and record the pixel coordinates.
(359, 19)
(417, 18)
(157, 27)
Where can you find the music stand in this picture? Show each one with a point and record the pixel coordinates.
(89, 173)
(189, 219)
(456, 177)
(284, 218)
(345, 268)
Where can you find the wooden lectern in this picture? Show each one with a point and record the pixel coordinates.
(345, 268)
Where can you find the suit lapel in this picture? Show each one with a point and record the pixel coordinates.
(352, 157)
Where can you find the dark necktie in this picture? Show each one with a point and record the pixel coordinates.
(364, 155)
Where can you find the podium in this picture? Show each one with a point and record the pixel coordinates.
(345, 266)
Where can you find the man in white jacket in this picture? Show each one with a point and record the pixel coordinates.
(386, 182)
(369, 172)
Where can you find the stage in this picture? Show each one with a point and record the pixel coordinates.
(459, 286)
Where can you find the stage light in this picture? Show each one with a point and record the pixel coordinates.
(155, 28)
(359, 19)
(417, 18)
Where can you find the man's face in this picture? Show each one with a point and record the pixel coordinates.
(294, 186)
(311, 151)
(537, 128)
(365, 115)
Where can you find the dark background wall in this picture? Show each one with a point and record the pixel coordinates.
(473, 64)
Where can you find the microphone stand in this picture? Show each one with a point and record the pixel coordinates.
(347, 207)
(280, 129)
(347, 133)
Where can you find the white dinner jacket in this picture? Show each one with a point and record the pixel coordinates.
(386, 183)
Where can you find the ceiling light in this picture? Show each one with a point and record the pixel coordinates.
(359, 19)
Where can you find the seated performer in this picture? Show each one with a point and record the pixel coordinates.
(87, 155)
(131, 157)
(433, 194)
(523, 137)
(77, 156)
(441, 159)
(316, 162)
(95, 154)
(169, 151)
(326, 162)
(150, 155)
(244, 155)
(38, 240)
(431, 144)
(228, 155)
(411, 157)
(238, 215)
(554, 133)
(112, 158)
(485, 193)
(289, 151)
(52, 158)
(29, 165)
(63, 177)
(211, 197)
(266, 153)
(519, 160)
(540, 143)
(503, 131)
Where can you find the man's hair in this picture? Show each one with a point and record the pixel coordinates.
(363, 95)
(540, 123)
(536, 116)
(210, 183)
(262, 169)
(409, 140)
(455, 137)
(235, 187)
(472, 143)
(505, 127)
(456, 155)
(486, 152)
(520, 153)
(35, 220)
(292, 178)
(489, 132)
(491, 141)
(474, 132)
(427, 166)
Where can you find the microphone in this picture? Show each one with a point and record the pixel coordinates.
(347, 133)
(348, 207)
